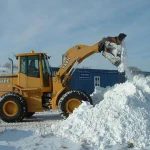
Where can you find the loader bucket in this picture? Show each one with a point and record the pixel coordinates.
(113, 49)
(114, 60)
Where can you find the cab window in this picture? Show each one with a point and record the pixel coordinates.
(30, 66)
(46, 71)
(23, 64)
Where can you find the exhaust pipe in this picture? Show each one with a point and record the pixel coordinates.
(11, 64)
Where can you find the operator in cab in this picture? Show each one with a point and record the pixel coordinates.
(32, 70)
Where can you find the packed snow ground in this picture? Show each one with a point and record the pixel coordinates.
(28, 135)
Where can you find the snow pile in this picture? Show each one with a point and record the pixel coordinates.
(123, 66)
(98, 94)
(123, 116)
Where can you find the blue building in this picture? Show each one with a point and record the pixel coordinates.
(87, 79)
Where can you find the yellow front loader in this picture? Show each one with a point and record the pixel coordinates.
(34, 89)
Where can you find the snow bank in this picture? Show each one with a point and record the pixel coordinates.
(98, 94)
(123, 116)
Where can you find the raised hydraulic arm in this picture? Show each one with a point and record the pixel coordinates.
(110, 48)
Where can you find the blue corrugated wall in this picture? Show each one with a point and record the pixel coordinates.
(84, 78)
(107, 78)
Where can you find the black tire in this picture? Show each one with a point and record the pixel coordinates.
(29, 114)
(13, 107)
(75, 98)
(87, 95)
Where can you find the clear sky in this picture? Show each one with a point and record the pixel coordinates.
(54, 26)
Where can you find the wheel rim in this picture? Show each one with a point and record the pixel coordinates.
(72, 104)
(10, 108)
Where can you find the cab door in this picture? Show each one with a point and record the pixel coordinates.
(46, 73)
(30, 80)
(29, 76)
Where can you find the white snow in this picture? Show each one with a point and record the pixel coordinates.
(98, 94)
(31, 135)
(123, 116)
(124, 65)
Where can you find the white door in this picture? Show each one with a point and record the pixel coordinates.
(96, 81)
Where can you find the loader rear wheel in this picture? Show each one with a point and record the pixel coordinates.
(29, 114)
(13, 107)
(71, 100)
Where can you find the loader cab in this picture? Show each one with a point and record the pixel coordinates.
(34, 71)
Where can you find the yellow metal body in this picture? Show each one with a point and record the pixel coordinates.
(76, 54)
(32, 89)
(5, 81)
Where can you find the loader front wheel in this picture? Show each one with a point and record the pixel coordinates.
(71, 104)
(13, 107)
(88, 97)
(71, 100)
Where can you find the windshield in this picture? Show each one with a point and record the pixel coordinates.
(46, 71)
(45, 65)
